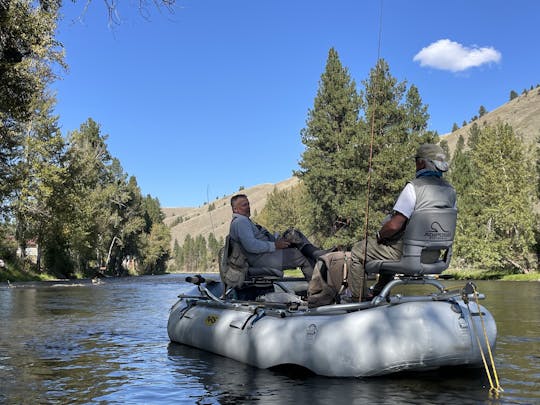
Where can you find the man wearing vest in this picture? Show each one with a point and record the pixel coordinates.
(427, 190)
(264, 250)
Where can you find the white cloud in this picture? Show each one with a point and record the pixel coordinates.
(449, 55)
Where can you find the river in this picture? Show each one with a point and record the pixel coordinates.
(106, 343)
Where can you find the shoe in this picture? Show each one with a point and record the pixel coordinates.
(293, 236)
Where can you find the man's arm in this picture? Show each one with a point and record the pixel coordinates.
(242, 229)
(391, 228)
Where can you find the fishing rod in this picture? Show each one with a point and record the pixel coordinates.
(372, 138)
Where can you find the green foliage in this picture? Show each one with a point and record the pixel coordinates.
(513, 95)
(28, 53)
(196, 254)
(496, 225)
(176, 221)
(335, 164)
(455, 127)
(285, 209)
(334, 161)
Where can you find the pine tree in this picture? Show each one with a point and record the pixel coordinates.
(499, 232)
(335, 158)
(482, 111)
(399, 121)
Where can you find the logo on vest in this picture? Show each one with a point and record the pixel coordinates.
(437, 232)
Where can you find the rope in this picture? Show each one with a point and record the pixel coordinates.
(494, 389)
(497, 388)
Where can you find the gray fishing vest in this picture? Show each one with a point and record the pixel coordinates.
(433, 192)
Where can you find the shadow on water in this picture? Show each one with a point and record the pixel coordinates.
(229, 382)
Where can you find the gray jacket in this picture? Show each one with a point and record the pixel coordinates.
(255, 239)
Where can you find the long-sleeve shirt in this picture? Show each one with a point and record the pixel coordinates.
(254, 238)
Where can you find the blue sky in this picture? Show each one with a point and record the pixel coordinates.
(213, 96)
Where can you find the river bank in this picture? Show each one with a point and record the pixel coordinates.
(10, 274)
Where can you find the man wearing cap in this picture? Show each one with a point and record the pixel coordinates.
(427, 190)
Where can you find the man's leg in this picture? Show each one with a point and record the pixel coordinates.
(301, 242)
(375, 251)
(284, 259)
(356, 278)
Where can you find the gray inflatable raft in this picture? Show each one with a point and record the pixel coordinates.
(388, 335)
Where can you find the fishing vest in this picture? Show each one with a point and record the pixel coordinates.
(433, 192)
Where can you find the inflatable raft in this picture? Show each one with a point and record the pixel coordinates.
(392, 333)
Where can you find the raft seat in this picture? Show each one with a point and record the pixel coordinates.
(427, 245)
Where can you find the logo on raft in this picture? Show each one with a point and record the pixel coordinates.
(211, 320)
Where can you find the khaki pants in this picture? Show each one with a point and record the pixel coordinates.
(375, 251)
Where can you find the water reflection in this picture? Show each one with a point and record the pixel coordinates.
(227, 381)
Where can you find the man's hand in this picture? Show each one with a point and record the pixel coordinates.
(282, 244)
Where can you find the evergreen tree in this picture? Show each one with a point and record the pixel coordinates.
(201, 253)
(399, 121)
(513, 95)
(213, 247)
(335, 162)
(455, 127)
(499, 232)
(462, 176)
(335, 158)
(482, 111)
(188, 249)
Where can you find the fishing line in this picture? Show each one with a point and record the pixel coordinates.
(372, 137)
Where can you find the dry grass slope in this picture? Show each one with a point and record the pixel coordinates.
(201, 221)
(522, 113)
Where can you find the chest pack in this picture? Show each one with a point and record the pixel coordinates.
(233, 264)
(329, 279)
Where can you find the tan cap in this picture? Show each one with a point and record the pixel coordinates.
(434, 153)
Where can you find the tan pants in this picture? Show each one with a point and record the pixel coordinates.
(357, 284)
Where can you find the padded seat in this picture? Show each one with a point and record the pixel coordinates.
(429, 233)
(246, 282)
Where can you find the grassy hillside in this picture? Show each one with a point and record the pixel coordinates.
(522, 113)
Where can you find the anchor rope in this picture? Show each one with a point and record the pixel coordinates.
(495, 389)
(498, 387)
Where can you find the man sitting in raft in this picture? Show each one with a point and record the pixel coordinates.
(265, 250)
(427, 190)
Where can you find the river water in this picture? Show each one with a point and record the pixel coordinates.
(107, 343)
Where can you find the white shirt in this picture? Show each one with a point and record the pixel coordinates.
(406, 201)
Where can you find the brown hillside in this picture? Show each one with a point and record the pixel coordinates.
(201, 221)
(522, 113)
